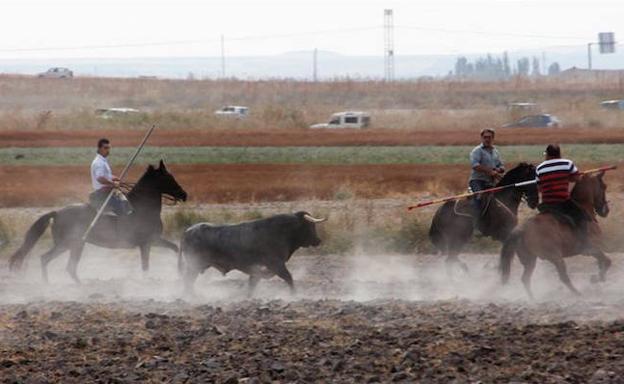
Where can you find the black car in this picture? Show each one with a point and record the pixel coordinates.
(535, 121)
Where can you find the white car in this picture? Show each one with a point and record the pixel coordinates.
(234, 111)
(57, 73)
(113, 113)
(346, 120)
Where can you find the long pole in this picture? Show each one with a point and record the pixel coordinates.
(589, 56)
(497, 189)
(121, 177)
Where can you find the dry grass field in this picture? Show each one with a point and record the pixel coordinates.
(49, 104)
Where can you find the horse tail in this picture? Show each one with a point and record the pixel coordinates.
(507, 253)
(30, 239)
(436, 235)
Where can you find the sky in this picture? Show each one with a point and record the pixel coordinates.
(186, 28)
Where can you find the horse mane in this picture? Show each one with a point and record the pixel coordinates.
(515, 175)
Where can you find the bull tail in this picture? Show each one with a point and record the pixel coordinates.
(507, 253)
(181, 257)
(30, 239)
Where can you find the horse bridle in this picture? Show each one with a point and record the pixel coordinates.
(125, 188)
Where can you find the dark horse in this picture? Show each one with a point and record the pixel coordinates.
(552, 238)
(142, 228)
(452, 224)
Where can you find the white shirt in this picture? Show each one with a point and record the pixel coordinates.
(100, 168)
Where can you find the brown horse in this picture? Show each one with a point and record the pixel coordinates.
(552, 239)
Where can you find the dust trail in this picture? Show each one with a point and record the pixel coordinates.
(111, 276)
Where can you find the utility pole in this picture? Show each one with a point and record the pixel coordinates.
(222, 57)
(388, 45)
(315, 65)
(589, 56)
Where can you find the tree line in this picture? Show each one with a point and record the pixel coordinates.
(500, 68)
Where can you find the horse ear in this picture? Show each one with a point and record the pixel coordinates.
(600, 175)
(162, 166)
(150, 168)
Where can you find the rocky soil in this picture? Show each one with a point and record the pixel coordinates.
(351, 322)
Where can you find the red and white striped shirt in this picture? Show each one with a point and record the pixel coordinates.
(553, 178)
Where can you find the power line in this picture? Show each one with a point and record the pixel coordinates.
(491, 33)
(186, 42)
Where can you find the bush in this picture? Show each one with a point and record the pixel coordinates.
(180, 220)
(5, 235)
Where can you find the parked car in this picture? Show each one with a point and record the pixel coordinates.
(115, 113)
(535, 121)
(57, 73)
(517, 110)
(613, 104)
(233, 111)
(346, 120)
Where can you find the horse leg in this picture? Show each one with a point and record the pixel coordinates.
(557, 260)
(75, 252)
(47, 257)
(145, 254)
(604, 263)
(528, 262)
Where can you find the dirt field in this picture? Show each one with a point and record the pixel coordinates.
(305, 137)
(354, 319)
(207, 183)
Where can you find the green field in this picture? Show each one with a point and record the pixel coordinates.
(583, 153)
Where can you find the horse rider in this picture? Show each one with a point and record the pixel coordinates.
(555, 177)
(103, 181)
(487, 169)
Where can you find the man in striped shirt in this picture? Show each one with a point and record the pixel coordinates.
(555, 177)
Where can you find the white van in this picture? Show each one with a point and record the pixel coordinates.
(57, 73)
(234, 111)
(346, 120)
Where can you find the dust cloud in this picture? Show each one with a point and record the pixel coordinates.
(112, 276)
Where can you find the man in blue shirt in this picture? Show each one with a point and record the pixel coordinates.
(487, 167)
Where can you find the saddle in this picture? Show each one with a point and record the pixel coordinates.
(118, 205)
(561, 213)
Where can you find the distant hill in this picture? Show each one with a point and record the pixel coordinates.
(296, 65)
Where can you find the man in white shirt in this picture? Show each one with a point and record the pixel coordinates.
(103, 180)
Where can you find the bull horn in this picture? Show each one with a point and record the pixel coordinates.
(312, 219)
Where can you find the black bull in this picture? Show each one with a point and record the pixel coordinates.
(259, 248)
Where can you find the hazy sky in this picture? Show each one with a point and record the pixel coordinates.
(192, 28)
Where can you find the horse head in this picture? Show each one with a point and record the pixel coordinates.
(591, 192)
(523, 172)
(161, 180)
(601, 204)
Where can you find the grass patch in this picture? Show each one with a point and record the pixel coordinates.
(593, 153)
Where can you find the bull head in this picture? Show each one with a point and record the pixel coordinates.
(313, 219)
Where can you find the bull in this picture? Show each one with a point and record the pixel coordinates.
(259, 248)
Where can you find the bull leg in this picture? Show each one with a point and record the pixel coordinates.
(47, 257)
(557, 260)
(75, 253)
(163, 243)
(189, 277)
(253, 282)
(285, 275)
(145, 254)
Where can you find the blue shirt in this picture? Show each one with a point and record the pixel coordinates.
(487, 157)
